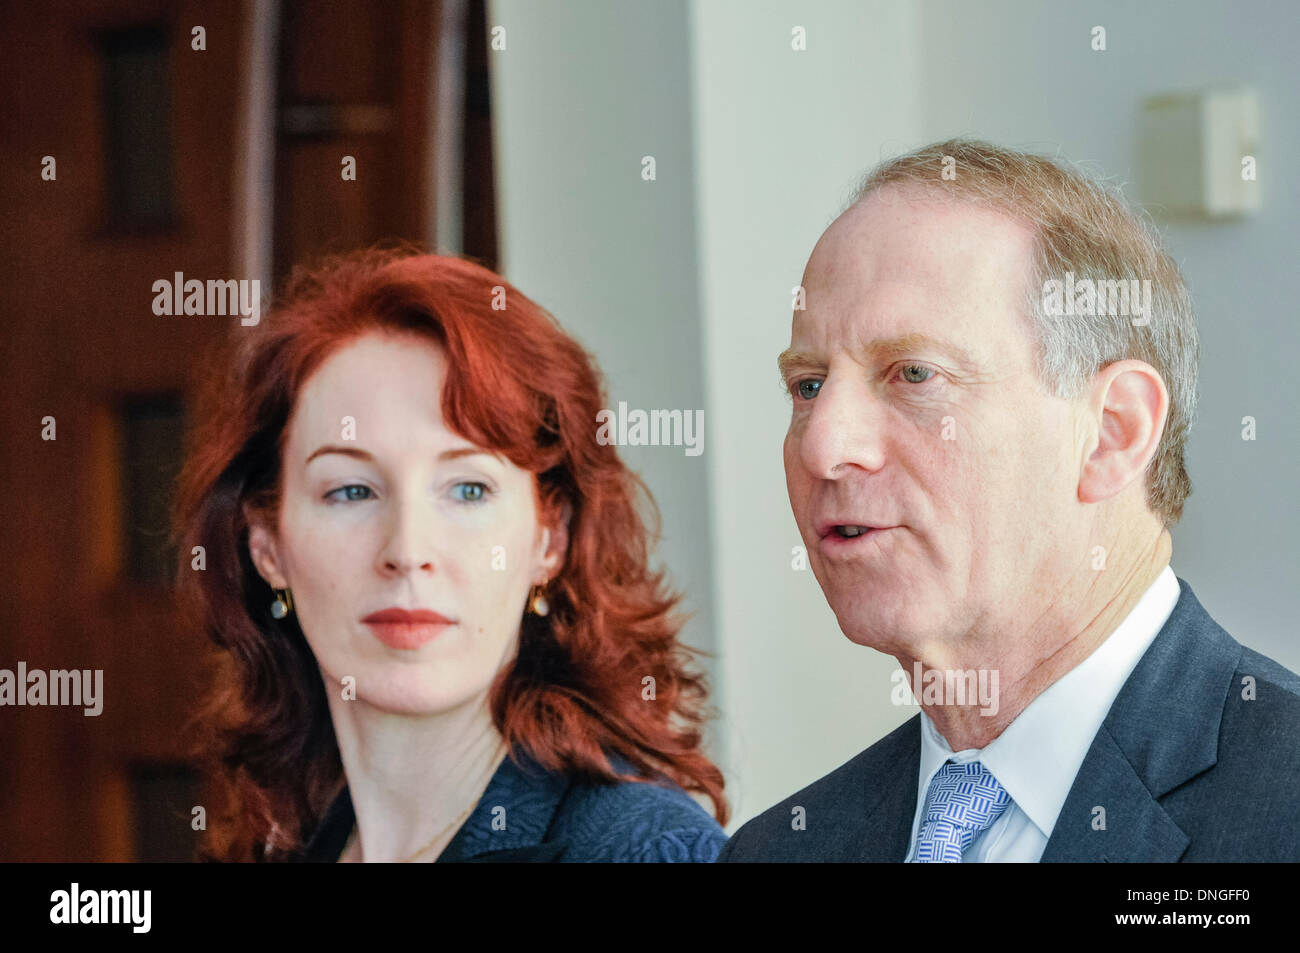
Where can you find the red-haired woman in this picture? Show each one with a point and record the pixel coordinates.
(441, 637)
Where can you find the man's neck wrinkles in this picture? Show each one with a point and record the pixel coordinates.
(1107, 601)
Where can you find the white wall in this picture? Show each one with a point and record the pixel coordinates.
(581, 93)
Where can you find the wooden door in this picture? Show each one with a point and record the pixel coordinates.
(143, 131)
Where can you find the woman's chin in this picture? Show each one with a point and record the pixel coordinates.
(415, 702)
(413, 707)
(406, 690)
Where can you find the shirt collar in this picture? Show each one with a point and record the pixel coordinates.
(1037, 756)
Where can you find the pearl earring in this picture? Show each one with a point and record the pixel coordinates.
(538, 602)
(282, 605)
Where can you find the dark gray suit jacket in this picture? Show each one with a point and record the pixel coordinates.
(1186, 768)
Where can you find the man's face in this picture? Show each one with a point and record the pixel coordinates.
(918, 410)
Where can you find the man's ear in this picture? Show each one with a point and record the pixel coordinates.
(1129, 403)
(263, 551)
(555, 538)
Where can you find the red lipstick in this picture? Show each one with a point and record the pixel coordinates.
(400, 628)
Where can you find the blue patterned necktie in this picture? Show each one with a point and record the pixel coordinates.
(962, 801)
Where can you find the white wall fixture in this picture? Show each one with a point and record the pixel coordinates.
(1199, 153)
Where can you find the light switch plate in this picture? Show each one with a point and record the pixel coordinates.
(1198, 153)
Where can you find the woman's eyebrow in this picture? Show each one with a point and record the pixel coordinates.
(359, 454)
(356, 452)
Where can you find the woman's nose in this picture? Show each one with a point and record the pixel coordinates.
(408, 544)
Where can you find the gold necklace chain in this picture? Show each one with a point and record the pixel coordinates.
(406, 860)
(454, 824)
(433, 840)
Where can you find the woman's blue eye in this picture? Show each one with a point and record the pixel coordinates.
(803, 388)
(928, 372)
(475, 492)
(349, 497)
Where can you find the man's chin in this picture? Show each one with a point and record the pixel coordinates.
(881, 639)
(885, 630)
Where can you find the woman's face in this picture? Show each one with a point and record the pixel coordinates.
(383, 506)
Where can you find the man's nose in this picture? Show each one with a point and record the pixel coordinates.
(843, 430)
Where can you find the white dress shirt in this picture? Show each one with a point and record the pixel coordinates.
(1038, 755)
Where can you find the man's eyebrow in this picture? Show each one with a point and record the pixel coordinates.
(788, 359)
(882, 348)
(907, 343)
(359, 454)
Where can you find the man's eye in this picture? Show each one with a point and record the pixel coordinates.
(808, 389)
(916, 373)
(348, 496)
(473, 492)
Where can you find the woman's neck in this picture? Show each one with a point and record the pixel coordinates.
(412, 778)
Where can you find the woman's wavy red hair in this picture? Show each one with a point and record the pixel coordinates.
(517, 384)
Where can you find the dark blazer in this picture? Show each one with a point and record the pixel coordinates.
(527, 815)
(1186, 768)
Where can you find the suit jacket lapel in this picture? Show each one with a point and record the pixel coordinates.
(510, 822)
(885, 828)
(1162, 729)
(513, 817)
(1110, 815)
(544, 853)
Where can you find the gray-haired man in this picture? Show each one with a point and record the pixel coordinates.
(992, 386)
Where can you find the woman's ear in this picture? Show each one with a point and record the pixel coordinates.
(555, 539)
(264, 552)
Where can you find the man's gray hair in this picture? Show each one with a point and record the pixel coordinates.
(1084, 228)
